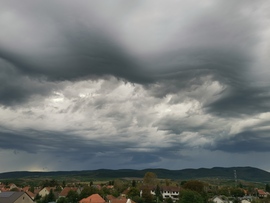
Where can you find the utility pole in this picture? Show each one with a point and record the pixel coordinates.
(235, 178)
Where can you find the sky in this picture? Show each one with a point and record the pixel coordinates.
(134, 84)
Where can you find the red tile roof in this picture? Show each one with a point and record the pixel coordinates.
(110, 197)
(95, 198)
(66, 190)
(26, 188)
(30, 194)
(261, 192)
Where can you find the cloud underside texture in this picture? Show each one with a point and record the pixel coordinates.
(137, 81)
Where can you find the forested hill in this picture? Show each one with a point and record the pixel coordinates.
(243, 173)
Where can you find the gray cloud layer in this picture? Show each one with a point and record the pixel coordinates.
(100, 79)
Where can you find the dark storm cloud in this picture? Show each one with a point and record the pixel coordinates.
(247, 141)
(74, 48)
(66, 145)
(188, 68)
(73, 52)
(221, 45)
(142, 158)
(85, 55)
(239, 101)
(16, 88)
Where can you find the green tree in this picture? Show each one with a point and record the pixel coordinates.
(183, 182)
(58, 188)
(72, 196)
(150, 178)
(138, 199)
(120, 185)
(267, 187)
(159, 196)
(236, 200)
(87, 191)
(37, 197)
(32, 189)
(133, 192)
(51, 196)
(240, 185)
(62, 200)
(111, 182)
(168, 200)
(146, 195)
(237, 192)
(194, 185)
(105, 191)
(188, 196)
(133, 183)
(51, 183)
(224, 191)
(167, 182)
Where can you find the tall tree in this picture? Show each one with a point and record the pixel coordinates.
(150, 178)
(159, 196)
(267, 187)
(87, 191)
(133, 183)
(62, 200)
(194, 185)
(51, 196)
(146, 195)
(188, 196)
(72, 196)
(133, 192)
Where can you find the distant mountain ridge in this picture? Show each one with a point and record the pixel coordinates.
(243, 173)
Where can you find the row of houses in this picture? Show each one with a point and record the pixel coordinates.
(166, 192)
(247, 198)
(23, 197)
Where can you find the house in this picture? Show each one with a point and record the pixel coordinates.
(110, 197)
(95, 198)
(119, 200)
(32, 195)
(25, 189)
(3, 189)
(15, 197)
(12, 186)
(245, 201)
(125, 192)
(220, 199)
(66, 190)
(45, 191)
(109, 186)
(166, 191)
(261, 193)
(170, 192)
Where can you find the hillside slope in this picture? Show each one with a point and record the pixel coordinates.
(243, 173)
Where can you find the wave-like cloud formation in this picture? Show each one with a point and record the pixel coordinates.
(143, 82)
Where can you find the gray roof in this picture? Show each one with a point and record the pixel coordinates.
(9, 197)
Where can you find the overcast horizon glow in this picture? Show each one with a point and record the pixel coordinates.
(134, 84)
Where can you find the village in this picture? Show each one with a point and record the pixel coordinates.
(148, 189)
